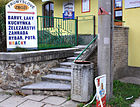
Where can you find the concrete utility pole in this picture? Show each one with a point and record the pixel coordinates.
(105, 28)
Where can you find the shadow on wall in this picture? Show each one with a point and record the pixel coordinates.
(85, 39)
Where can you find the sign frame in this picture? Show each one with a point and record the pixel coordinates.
(21, 24)
(100, 83)
(85, 7)
(68, 10)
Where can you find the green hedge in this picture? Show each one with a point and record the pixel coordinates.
(2, 26)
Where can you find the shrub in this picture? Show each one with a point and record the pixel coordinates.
(2, 26)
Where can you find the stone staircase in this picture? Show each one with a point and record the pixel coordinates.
(57, 81)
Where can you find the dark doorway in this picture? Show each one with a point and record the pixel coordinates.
(48, 11)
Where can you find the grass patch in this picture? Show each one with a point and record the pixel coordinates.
(121, 91)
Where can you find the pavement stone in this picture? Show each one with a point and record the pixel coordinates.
(70, 104)
(13, 101)
(9, 91)
(30, 103)
(136, 103)
(36, 97)
(1, 90)
(133, 80)
(28, 92)
(3, 97)
(54, 100)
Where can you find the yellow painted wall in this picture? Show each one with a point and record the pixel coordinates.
(85, 27)
(132, 20)
(130, 16)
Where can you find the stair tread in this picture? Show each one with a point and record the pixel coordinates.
(71, 57)
(66, 63)
(77, 52)
(61, 70)
(58, 77)
(81, 46)
(47, 86)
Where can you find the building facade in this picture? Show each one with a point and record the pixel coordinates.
(125, 10)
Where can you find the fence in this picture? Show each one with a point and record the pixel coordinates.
(54, 32)
(86, 29)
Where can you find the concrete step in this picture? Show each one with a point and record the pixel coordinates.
(81, 46)
(71, 59)
(47, 88)
(57, 78)
(61, 71)
(66, 64)
(77, 53)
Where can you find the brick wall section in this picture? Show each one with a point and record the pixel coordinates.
(120, 54)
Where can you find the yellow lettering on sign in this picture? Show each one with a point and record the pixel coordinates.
(21, 7)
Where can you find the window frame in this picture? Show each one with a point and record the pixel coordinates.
(82, 7)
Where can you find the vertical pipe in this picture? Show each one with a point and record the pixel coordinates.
(65, 24)
(45, 26)
(51, 23)
(43, 18)
(111, 47)
(58, 28)
(41, 30)
(48, 30)
(77, 30)
(94, 25)
(37, 33)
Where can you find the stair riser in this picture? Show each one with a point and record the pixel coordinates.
(70, 60)
(75, 55)
(60, 73)
(65, 66)
(61, 93)
(53, 93)
(56, 81)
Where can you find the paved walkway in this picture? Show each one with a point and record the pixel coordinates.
(10, 100)
(136, 103)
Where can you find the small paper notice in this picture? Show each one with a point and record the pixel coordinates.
(106, 41)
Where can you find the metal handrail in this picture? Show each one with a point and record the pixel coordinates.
(119, 20)
(86, 16)
(55, 17)
(86, 47)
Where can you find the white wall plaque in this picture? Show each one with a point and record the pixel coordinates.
(132, 3)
